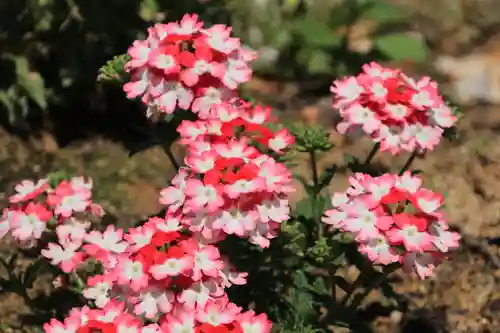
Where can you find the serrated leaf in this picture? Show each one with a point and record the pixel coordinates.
(30, 82)
(114, 70)
(402, 46)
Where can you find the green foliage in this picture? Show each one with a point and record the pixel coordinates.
(402, 46)
(311, 206)
(57, 177)
(311, 138)
(114, 70)
(311, 37)
(27, 87)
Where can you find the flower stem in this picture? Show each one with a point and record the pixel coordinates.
(317, 188)
(168, 150)
(376, 282)
(408, 163)
(372, 153)
(314, 167)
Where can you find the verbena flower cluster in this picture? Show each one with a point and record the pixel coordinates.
(396, 111)
(183, 65)
(231, 187)
(394, 220)
(37, 207)
(167, 275)
(156, 272)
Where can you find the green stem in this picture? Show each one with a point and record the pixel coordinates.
(376, 282)
(317, 189)
(168, 150)
(314, 167)
(408, 163)
(372, 153)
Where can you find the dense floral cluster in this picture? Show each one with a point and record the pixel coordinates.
(394, 220)
(218, 317)
(156, 272)
(232, 187)
(167, 275)
(37, 207)
(395, 110)
(181, 64)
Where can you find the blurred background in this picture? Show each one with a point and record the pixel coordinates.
(54, 115)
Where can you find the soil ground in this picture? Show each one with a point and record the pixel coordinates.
(464, 297)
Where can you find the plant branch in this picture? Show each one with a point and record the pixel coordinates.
(317, 189)
(372, 154)
(376, 282)
(408, 163)
(168, 150)
(314, 168)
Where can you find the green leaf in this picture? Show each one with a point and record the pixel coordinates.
(302, 302)
(315, 33)
(311, 207)
(114, 70)
(384, 12)
(319, 286)
(402, 46)
(300, 280)
(7, 101)
(30, 82)
(56, 177)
